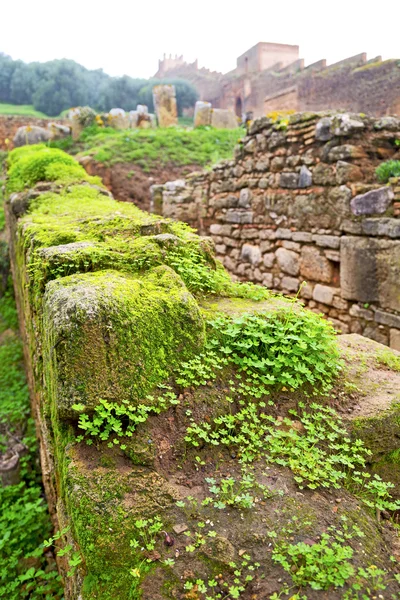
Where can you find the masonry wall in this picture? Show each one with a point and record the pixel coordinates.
(10, 123)
(303, 204)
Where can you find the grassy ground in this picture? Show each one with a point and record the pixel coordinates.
(25, 110)
(152, 147)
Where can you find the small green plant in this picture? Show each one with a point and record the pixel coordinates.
(373, 491)
(229, 587)
(203, 276)
(388, 359)
(74, 559)
(147, 531)
(367, 583)
(322, 565)
(388, 169)
(113, 420)
(241, 493)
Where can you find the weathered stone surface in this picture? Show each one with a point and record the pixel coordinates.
(250, 146)
(236, 216)
(90, 304)
(373, 202)
(305, 179)
(370, 271)
(345, 152)
(283, 234)
(30, 134)
(262, 165)
(165, 105)
(381, 227)
(222, 118)
(277, 164)
(339, 326)
(58, 131)
(288, 261)
(314, 266)
(323, 130)
(289, 180)
(389, 123)
(395, 339)
(327, 241)
(324, 294)
(245, 198)
(361, 313)
(345, 124)
(217, 229)
(324, 175)
(269, 259)
(302, 236)
(333, 255)
(118, 119)
(80, 117)
(374, 333)
(387, 318)
(251, 254)
(202, 113)
(291, 284)
(346, 172)
(358, 272)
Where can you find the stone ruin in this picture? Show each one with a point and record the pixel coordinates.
(117, 118)
(104, 318)
(165, 105)
(205, 114)
(301, 202)
(33, 134)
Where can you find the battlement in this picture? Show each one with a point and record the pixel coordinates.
(170, 63)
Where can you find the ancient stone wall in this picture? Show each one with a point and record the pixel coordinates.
(113, 303)
(304, 204)
(10, 123)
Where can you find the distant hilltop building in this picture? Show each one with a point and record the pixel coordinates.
(270, 77)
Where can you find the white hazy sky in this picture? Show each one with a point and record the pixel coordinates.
(128, 37)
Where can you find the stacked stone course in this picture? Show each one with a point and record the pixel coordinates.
(302, 203)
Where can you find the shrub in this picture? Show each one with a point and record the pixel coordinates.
(29, 166)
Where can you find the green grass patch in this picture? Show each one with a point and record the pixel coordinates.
(25, 110)
(155, 147)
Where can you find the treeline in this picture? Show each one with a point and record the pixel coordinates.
(54, 86)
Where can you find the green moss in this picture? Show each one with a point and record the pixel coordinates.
(66, 174)
(380, 433)
(28, 167)
(117, 336)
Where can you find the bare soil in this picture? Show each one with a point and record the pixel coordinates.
(130, 183)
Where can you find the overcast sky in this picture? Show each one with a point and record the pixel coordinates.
(129, 37)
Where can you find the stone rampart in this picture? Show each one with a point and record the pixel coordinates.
(302, 203)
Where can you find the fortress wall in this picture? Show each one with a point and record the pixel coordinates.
(303, 204)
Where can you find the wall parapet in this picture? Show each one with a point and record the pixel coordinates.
(302, 203)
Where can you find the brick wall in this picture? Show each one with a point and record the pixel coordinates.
(304, 204)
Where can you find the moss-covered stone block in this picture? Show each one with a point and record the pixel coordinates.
(115, 337)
